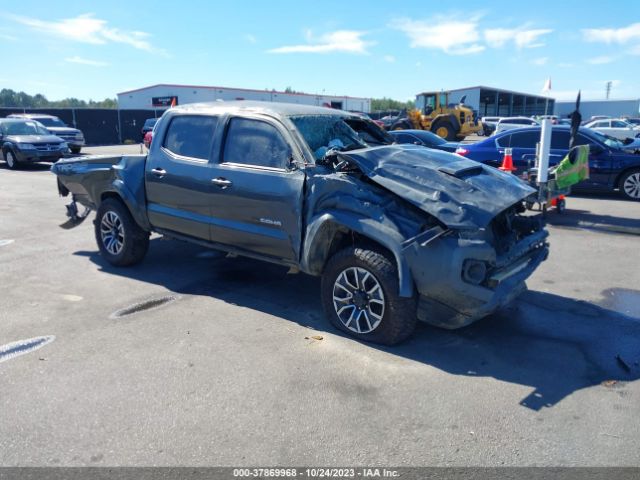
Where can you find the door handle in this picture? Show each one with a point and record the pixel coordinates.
(159, 172)
(222, 182)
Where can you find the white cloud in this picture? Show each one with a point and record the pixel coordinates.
(389, 58)
(601, 60)
(566, 65)
(454, 37)
(85, 61)
(540, 61)
(88, 29)
(463, 37)
(613, 35)
(7, 37)
(522, 37)
(343, 41)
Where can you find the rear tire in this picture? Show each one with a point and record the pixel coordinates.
(120, 239)
(360, 297)
(444, 129)
(10, 158)
(630, 185)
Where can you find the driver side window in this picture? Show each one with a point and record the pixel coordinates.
(257, 143)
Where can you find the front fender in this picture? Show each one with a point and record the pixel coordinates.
(322, 228)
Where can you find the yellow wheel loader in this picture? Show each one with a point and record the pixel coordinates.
(434, 113)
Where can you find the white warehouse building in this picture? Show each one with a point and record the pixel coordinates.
(162, 95)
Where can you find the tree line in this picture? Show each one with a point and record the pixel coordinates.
(11, 98)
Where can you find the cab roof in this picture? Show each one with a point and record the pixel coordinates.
(268, 108)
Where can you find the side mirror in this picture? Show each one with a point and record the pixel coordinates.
(595, 149)
(291, 163)
(418, 143)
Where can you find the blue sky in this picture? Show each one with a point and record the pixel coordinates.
(395, 49)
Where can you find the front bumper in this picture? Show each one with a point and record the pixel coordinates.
(31, 156)
(446, 299)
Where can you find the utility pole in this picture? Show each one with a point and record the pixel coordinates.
(608, 89)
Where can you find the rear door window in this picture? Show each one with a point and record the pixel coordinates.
(191, 136)
(256, 143)
(524, 140)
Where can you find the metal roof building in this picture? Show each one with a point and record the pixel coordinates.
(161, 96)
(611, 108)
(490, 101)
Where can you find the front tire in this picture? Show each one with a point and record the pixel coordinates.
(630, 185)
(120, 240)
(444, 130)
(10, 158)
(75, 150)
(360, 297)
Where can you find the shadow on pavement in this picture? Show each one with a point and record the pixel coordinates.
(593, 221)
(555, 345)
(33, 167)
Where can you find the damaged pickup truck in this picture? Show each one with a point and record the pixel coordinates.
(398, 233)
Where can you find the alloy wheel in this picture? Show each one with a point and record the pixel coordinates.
(358, 300)
(112, 232)
(631, 185)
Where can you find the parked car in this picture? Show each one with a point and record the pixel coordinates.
(149, 123)
(424, 138)
(632, 121)
(489, 125)
(553, 118)
(613, 165)
(148, 137)
(564, 121)
(73, 136)
(397, 232)
(615, 127)
(27, 141)
(509, 123)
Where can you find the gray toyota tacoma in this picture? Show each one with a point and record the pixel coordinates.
(398, 233)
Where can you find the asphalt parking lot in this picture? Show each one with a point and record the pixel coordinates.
(224, 369)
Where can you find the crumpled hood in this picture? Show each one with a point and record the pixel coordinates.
(34, 139)
(459, 192)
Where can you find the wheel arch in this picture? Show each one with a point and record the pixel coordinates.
(138, 213)
(618, 181)
(330, 232)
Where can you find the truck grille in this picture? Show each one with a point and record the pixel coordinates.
(67, 136)
(47, 147)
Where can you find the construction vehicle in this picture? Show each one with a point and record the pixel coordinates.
(434, 113)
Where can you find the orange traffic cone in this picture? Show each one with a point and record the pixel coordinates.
(507, 161)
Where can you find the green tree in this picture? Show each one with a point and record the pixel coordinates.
(10, 98)
(385, 103)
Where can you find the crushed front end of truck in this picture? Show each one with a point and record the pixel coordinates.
(482, 247)
(464, 275)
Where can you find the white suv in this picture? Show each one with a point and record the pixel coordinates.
(509, 123)
(615, 127)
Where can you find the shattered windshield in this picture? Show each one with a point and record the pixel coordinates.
(327, 133)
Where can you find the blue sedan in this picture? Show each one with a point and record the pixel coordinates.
(612, 164)
(424, 138)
